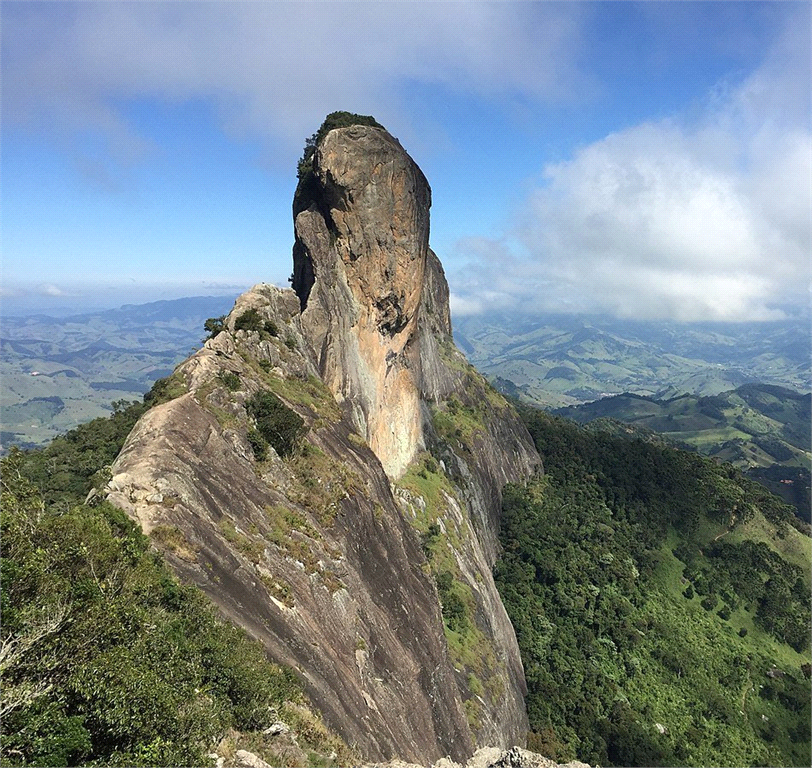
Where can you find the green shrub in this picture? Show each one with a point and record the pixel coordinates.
(214, 325)
(258, 445)
(249, 320)
(332, 121)
(230, 379)
(130, 667)
(164, 390)
(455, 612)
(709, 602)
(277, 424)
(429, 539)
(271, 328)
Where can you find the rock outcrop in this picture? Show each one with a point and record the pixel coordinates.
(363, 558)
(362, 238)
(487, 757)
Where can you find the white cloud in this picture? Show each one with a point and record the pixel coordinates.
(701, 221)
(23, 298)
(274, 68)
(51, 290)
(461, 305)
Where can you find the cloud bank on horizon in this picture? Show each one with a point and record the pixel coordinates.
(673, 195)
(707, 220)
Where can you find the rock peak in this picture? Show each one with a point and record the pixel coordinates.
(321, 553)
(361, 216)
(374, 201)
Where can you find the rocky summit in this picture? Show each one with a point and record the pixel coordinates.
(328, 470)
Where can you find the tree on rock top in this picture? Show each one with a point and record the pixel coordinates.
(332, 121)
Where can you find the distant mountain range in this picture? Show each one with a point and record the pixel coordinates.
(60, 372)
(763, 429)
(561, 360)
(754, 425)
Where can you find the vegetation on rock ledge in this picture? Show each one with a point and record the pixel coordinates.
(105, 657)
(332, 121)
(432, 500)
(277, 425)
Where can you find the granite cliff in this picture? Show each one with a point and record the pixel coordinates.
(328, 469)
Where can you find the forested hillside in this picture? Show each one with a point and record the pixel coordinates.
(760, 428)
(106, 658)
(661, 602)
(755, 425)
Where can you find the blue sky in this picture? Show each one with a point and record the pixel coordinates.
(647, 160)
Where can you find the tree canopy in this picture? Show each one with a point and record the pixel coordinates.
(647, 624)
(332, 121)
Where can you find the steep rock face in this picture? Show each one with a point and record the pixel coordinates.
(362, 232)
(311, 554)
(330, 555)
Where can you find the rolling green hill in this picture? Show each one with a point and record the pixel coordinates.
(58, 373)
(661, 603)
(762, 429)
(560, 360)
(756, 425)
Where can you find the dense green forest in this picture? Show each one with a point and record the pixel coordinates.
(106, 659)
(760, 428)
(661, 602)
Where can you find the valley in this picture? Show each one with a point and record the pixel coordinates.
(756, 425)
(760, 428)
(58, 372)
(555, 361)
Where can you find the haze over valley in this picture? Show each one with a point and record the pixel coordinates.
(61, 371)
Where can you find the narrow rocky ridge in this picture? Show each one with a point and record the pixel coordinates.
(329, 555)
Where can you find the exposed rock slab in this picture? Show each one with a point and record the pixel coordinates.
(486, 757)
(318, 555)
(362, 233)
(493, 757)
